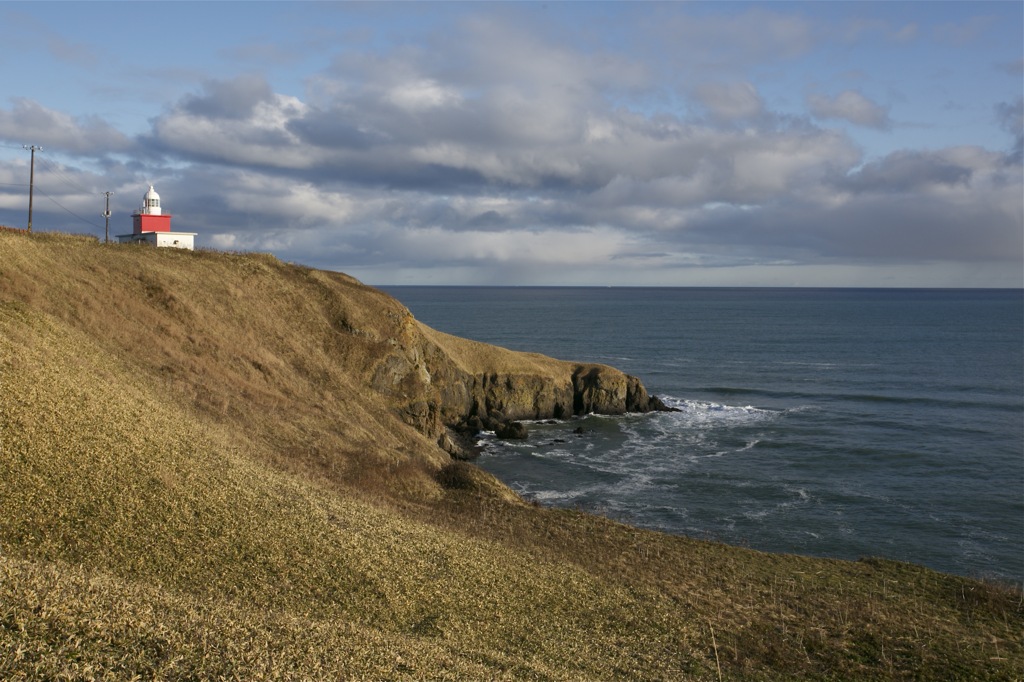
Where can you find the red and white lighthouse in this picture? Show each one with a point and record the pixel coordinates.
(150, 218)
(152, 226)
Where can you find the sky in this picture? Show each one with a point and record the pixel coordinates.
(535, 143)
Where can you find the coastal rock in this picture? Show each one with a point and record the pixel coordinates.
(603, 392)
(439, 390)
(441, 384)
(512, 431)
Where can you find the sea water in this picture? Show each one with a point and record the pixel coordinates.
(832, 422)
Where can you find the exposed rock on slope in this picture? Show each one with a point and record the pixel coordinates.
(222, 466)
(239, 335)
(441, 382)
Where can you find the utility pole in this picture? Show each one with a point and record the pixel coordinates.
(106, 214)
(31, 181)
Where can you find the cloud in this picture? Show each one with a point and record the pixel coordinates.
(958, 204)
(1011, 119)
(23, 33)
(604, 187)
(730, 101)
(265, 53)
(725, 42)
(963, 33)
(423, 94)
(240, 121)
(851, 106)
(234, 99)
(905, 33)
(1014, 67)
(28, 122)
(860, 29)
(412, 131)
(907, 171)
(494, 151)
(70, 52)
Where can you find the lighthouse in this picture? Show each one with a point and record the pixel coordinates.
(150, 225)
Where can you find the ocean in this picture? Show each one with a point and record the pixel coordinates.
(839, 423)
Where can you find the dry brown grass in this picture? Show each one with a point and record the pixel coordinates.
(243, 338)
(196, 483)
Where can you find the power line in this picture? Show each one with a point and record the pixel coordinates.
(68, 210)
(55, 170)
(52, 167)
(58, 172)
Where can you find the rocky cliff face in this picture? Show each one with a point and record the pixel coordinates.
(237, 336)
(445, 386)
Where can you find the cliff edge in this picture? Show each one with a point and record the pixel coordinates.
(222, 466)
(235, 336)
(445, 385)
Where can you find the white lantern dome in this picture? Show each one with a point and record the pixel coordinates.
(151, 202)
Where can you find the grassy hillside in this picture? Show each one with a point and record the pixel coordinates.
(198, 481)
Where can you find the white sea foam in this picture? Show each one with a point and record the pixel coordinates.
(610, 492)
(900, 438)
(800, 498)
(553, 496)
(707, 413)
(751, 444)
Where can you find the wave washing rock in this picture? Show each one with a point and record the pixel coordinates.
(450, 388)
(236, 336)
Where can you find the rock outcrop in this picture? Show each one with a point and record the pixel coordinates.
(236, 336)
(450, 388)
